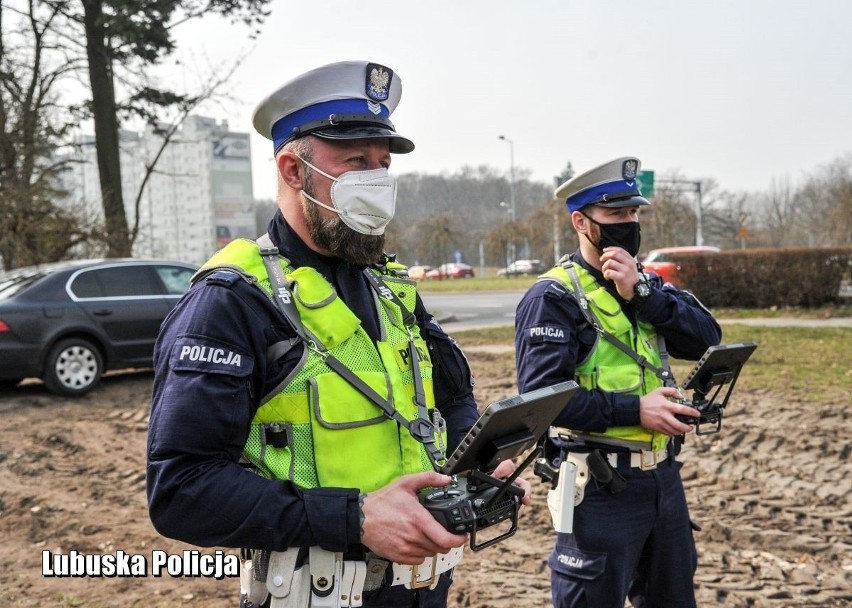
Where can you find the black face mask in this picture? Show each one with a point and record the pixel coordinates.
(622, 234)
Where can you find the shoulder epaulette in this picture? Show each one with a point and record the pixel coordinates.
(222, 275)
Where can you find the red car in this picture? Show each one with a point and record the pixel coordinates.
(451, 270)
(659, 260)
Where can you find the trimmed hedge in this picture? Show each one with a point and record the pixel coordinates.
(763, 278)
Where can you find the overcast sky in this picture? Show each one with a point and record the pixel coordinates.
(742, 91)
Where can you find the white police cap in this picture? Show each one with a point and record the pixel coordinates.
(344, 100)
(611, 184)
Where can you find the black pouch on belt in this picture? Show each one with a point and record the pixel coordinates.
(604, 473)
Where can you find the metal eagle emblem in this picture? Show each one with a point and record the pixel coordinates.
(629, 169)
(378, 81)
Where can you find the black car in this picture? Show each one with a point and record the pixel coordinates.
(68, 322)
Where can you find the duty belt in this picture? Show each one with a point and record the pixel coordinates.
(647, 460)
(640, 456)
(426, 574)
(328, 580)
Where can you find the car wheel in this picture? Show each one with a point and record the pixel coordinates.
(73, 367)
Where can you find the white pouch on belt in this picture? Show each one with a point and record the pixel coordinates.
(573, 476)
(560, 500)
(326, 569)
(289, 586)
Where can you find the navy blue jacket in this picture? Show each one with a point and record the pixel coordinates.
(553, 337)
(198, 491)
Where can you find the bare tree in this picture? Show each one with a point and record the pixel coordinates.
(670, 220)
(549, 232)
(724, 225)
(153, 106)
(134, 35)
(723, 214)
(117, 41)
(781, 216)
(441, 234)
(473, 196)
(498, 241)
(32, 128)
(826, 203)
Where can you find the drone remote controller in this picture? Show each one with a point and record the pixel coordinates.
(471, 503)
(710, 412)
(718, 369)
(504, 431)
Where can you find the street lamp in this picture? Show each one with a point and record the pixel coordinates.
(511, 173)
(511, 183)
(506, 212)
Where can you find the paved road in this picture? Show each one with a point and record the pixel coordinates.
(473, 310)
(791, 322)
(478, 310)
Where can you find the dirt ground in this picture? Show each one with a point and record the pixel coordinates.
(772, 493)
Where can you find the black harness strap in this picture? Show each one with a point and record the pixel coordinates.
(421, 428)
(663, 373)
(281, 296)
(425, 428)
(387, 293)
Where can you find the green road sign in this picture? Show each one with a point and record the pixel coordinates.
(646, 183)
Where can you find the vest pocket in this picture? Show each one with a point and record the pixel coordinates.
(354, 442)
(625, 379)
(324, 314)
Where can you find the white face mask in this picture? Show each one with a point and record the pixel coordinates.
(364, 200)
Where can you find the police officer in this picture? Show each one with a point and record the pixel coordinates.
(598, 319)
(302, 393)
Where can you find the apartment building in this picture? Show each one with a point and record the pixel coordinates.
(198, 197)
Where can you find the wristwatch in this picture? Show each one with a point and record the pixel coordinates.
(641, 291)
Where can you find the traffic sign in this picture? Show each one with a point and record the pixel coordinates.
(645, 179)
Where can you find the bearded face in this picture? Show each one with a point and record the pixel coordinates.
(333, 235)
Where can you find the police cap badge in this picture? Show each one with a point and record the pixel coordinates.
(612, 184)
(344, 100)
